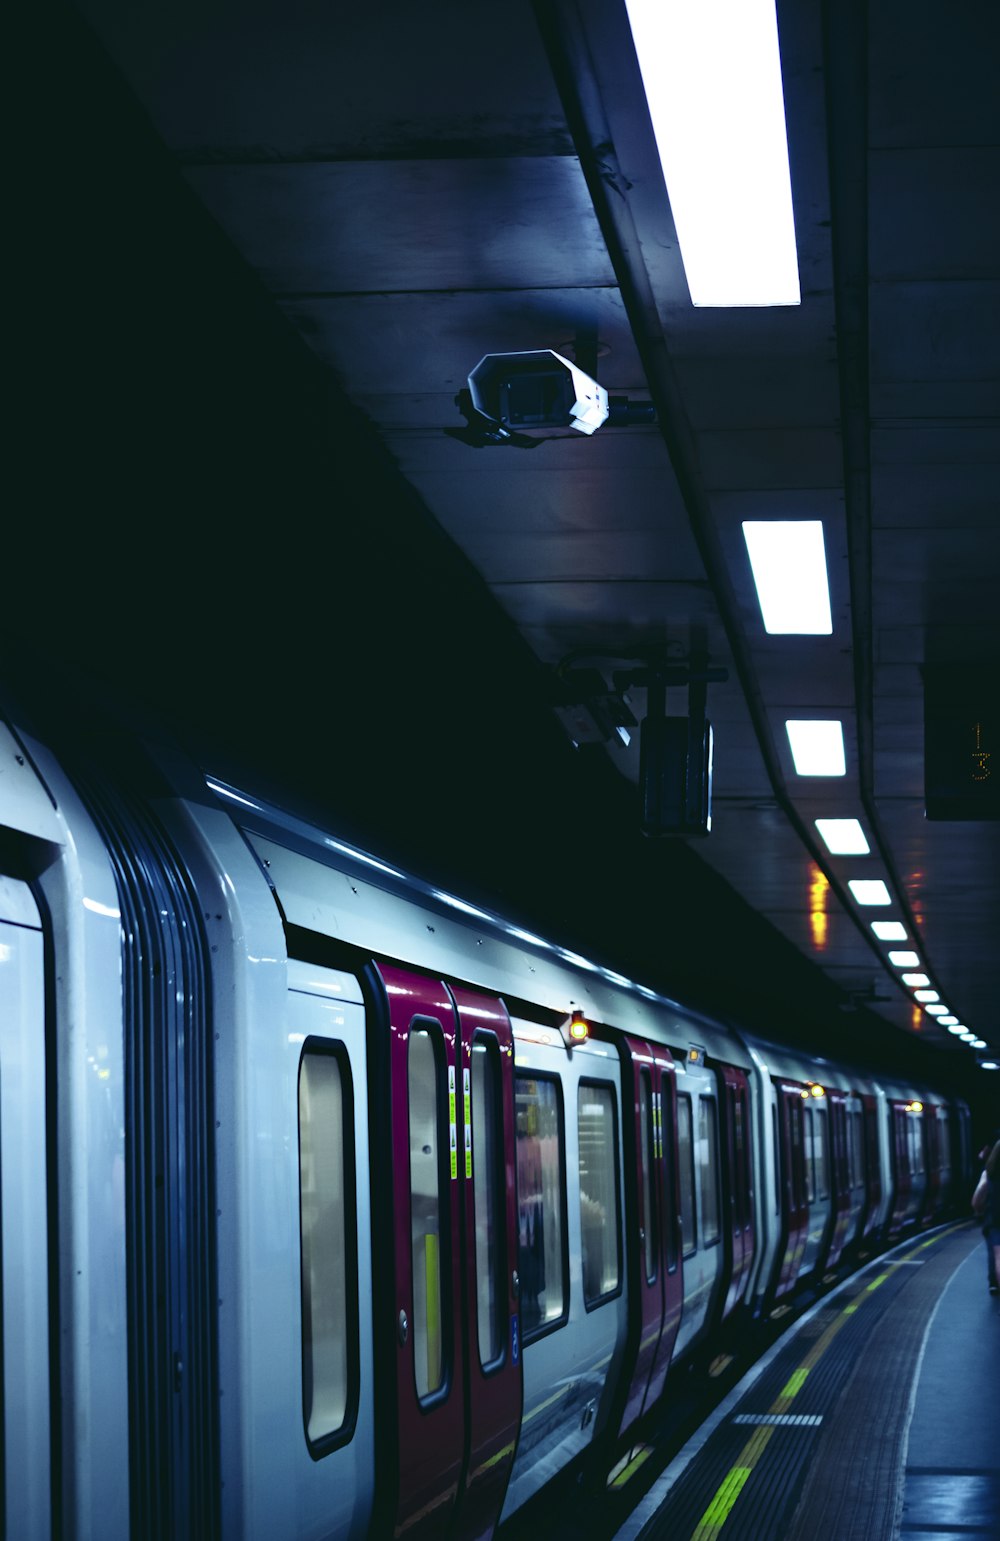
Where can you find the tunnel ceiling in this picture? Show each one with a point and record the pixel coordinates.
(418, 186)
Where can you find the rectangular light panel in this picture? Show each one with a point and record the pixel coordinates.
(897, 959)
(869, 890)
(916, 980)
(712, 75)
(843, 837)
(817, 747)
(926, 995)
(788, 562)
(895, 931)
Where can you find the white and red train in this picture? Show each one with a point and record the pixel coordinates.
(333, 1206)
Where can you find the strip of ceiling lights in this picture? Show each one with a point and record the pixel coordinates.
(741, 180)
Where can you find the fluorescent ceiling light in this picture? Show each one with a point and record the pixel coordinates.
(967, 1037)
(935, 1011)
(949, 1022)
(915, 979)
(843, 837)
(893, 931)
(989, 1064)
(926, 995)
(869, 890)
(978, 1043)
(788, 562)
(956, 1027)
(712, 74)
(817, 747)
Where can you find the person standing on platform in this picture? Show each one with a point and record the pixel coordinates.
(986, 1206)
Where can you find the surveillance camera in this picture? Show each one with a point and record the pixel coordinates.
(540, 389)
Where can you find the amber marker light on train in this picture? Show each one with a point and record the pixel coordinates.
(579, 1030)
(817, 1091)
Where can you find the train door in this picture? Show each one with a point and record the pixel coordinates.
(457, 1334)
(492, 1335)
(840, 1177)
(794, 1208)
(25, 1483)
(670, 1226)
(902, 1176)
(738, 1199)
(655, 1285)
(871, 1164)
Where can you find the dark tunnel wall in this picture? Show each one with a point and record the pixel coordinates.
(206, 527)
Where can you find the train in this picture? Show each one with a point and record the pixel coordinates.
(335, 1205)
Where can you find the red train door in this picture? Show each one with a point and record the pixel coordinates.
(655, 1284)
(492, 1334)
(669, 1198)
(739, 1231)
(794, 1209)
(454, 1417)
(840, 1185)
(872, 1162)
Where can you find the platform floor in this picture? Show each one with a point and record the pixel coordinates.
(876, 1418)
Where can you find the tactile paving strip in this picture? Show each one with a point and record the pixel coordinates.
(755, 1480)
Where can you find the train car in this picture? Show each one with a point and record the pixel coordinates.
(334, 1206)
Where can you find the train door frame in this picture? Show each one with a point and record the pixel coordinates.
(738, 1229)
(25, 1429)
(655, 1299)
(792, 1187)
(572, 1360)
(326, 1022)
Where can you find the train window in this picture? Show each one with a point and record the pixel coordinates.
(599, 1224)
(810, 1153)
(743, 1143)
(685, 1158)
(328, 1244)
(856, 1148)
(647, 1159)
(798, 1175)
(944, 1156)
(916, 1145)
(708, 1162)
(670, 1219)
(488, 1197)
(540, 1204)
(821, 1149)
(426, 1102)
